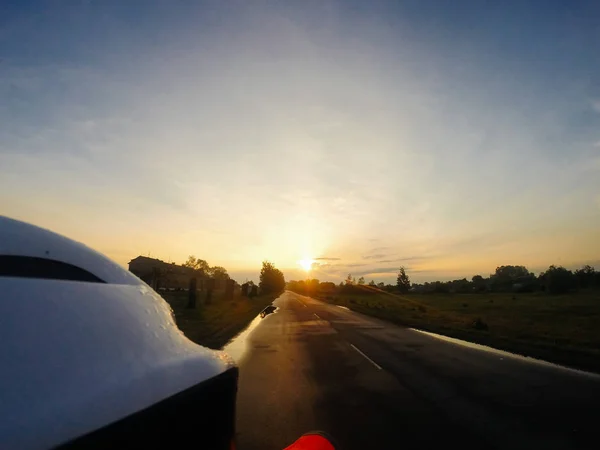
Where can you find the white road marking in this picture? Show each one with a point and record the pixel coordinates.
(366, 357)
(317, 316)
(301, 302)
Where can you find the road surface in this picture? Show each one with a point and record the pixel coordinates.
(374, 385)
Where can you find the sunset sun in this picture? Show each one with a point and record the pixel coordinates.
(306, 263)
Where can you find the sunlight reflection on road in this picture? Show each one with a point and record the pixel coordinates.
(236, 347)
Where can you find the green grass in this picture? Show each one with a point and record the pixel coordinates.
(215, 324)
(564, 329)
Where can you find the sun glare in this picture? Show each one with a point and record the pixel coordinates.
(306, 264)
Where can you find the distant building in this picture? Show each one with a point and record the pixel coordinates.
(160, 274)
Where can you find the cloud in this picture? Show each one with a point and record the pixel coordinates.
(326, 258)
(377, 253)
(378, 249)
(410, 258)
(595, 104)
(376, 256)
(339, 266)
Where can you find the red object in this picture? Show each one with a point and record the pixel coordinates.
(311, 442)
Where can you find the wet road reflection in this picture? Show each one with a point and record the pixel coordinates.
(236, 348)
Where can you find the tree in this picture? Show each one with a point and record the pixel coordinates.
(585, 276)
(402, 282)
(312, 286)
(271, 279)
(361, 281)
(247, 287)
(327, 286)
(479, 283)
(558, 280)
(381, 285)
(440, 287)
(349, 280)
(296, 286)
(218, 273)
(196, 264)
(507, 276)
(372, 283)
(461, 286)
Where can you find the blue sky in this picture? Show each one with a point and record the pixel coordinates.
(448, 137)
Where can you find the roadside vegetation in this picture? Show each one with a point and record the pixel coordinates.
(554, 316)
(211, 316)
(215, 324)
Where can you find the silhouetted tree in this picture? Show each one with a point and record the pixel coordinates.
(349, 280)
(372, 283)
(218, 273)
(460, 286)
(297, 286)
(196, 264)
(246, 288)
(361, 281)
(271, 279)
(440, 287)
(403, 282)
(507, 276)
(479, 283)
(558, 280)
(192, 294)
(253, 291)
(312, 286)
(585, 276)
(327, 286)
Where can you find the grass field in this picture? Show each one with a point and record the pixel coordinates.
(564, 329)
(215, 324)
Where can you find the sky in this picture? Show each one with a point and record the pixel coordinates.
(445, 137)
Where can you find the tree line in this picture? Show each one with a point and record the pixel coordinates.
(554, 280)
(200, 265)
(271, 281)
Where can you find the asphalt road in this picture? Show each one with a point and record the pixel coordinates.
(373, 385)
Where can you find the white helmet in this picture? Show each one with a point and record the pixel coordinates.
(90, 355)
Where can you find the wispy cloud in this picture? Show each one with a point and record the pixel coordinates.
(378, 250)
(410, 258)
(375, 256)
(340, 266)
(140, 132)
